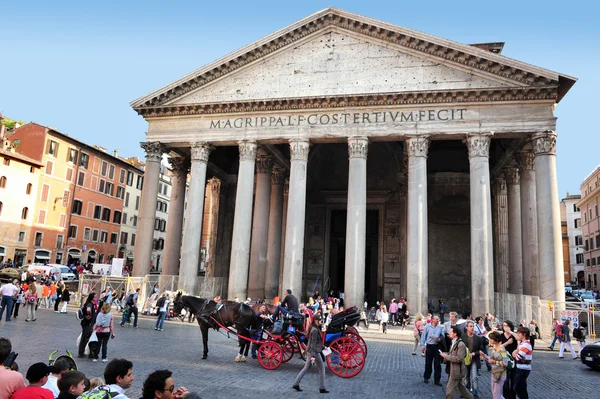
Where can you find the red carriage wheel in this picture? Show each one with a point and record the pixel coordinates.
(347, 357)
(270, 355)
(289, 347)
(352, 333)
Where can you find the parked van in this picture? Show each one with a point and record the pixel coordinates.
(60, 272)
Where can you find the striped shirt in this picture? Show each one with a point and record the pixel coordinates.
(524, 353)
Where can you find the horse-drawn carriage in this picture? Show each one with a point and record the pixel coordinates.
(348, 349)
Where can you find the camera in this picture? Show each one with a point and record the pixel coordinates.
(10, 359)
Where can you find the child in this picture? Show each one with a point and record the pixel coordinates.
(96, 382)
(71, 385)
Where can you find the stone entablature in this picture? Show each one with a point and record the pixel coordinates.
(503, 119)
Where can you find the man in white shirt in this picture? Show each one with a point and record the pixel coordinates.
(118, 374)
(57, 368)
(8, 291)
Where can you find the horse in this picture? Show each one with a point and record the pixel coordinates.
(210, 314)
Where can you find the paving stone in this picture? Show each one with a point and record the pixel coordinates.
(390, 370)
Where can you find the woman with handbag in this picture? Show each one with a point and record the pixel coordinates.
(31, 297)
(87, 315)
(313, 354)
(417, 332)
(498, 361)
(104, 329)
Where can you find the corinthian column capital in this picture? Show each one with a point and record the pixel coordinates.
(264, 163)
(417, 146)
(247, 150)
(179, 164)
(200, 151)
(154, 150)
(479, 145)
(358, 147)
(512, 175)
(544, 143)
(299, 149)
(524, 159)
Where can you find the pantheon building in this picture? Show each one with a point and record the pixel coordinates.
(355, 155)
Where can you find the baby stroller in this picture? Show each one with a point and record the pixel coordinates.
(68, 357)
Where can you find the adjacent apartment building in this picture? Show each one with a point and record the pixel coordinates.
(19, 181)
(590, 226)
(79, 204)
(573, 236)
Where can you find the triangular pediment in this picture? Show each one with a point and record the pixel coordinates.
(334, 63)
(336, 53)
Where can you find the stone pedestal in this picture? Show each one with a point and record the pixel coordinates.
(515, 263)
(242, 223)
(172, 251)
(192, 235)
(294, 234)
(548, 217)
(260, 228)
(482, 278)
(356, 222)
(416, 251)
(275, 233)
(529, 226)
(145, 231)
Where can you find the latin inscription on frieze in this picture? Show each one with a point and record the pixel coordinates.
(342, 118)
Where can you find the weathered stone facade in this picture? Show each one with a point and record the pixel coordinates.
(390, 140)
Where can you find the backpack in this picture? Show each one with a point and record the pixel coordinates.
(79, 314)
(578, 333)
(161, 302)
(101, 392)
(559, 330)
(31, 299)
(468, 358)
(130, 300)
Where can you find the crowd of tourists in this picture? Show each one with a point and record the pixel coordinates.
(62, 381)
(466, 344)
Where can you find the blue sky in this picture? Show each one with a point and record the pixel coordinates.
(76, 65)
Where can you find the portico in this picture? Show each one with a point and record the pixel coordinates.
(391, 140)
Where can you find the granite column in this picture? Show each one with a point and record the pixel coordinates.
(275, 233)
(242, 222)
(417, 239)
(548, 218)
(192, 234)
(145, 231)
(356, 222)
(515, 254)
(529, 226)
(172, 251)
(294, 235)
(260, 227)
(482, 273)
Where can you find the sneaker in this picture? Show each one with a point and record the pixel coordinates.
(155, 328)
(136, 326)
(104, 360)
(160, 329)
(94, 360)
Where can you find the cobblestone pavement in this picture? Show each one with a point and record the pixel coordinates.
(390, 371)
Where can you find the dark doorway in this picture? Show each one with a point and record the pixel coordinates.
(337, 253)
